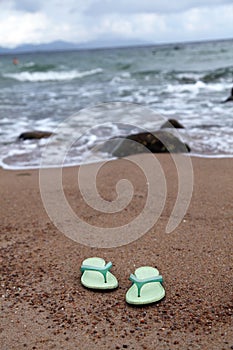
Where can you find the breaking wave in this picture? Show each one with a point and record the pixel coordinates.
(51, 75)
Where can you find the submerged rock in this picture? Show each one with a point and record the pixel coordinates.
(35, 135)
(156, 142)
(172, 123)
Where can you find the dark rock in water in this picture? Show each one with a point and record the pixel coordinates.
(35, 135)
(110, 145)
(230, 98)
(172, 123)
(156, 142)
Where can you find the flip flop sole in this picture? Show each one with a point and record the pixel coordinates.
(150, 292)
(94, 279)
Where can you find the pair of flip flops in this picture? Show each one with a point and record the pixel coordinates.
(146, 282)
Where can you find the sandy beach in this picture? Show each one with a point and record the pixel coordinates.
(44, 305)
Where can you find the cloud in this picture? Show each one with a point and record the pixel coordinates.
(16, 29)
(194, 24)
(100, 7)
(28, 5)
(79, 21)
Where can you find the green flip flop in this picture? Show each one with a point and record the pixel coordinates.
(96, 274)
(146, 287)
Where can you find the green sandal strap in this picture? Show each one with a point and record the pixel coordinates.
(141, 282)
(103, 270)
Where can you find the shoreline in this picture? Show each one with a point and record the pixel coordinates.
(44, 305)
(191, 155)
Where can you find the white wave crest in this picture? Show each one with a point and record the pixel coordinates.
(51, 75)
(195, 88)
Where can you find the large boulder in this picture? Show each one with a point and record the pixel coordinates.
(156, 142)
(35, 135)
(172, 123)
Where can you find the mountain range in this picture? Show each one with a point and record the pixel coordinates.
(65, 46)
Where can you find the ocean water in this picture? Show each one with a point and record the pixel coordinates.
(47, 91)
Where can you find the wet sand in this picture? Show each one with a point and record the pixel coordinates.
(44, 305)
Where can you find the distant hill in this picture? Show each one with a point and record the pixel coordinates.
(54, 46)
(65, 46)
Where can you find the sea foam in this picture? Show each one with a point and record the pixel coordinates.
(51, 75)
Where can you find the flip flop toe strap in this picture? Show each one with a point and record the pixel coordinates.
(103, 270)
(141, 282)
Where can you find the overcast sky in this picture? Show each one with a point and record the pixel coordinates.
(80, 21)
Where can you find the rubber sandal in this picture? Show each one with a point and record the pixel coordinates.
(146, 287)
(96, 274)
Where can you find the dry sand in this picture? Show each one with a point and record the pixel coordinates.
(44, 305)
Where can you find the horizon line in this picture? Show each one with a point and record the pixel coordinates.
(117, 46)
